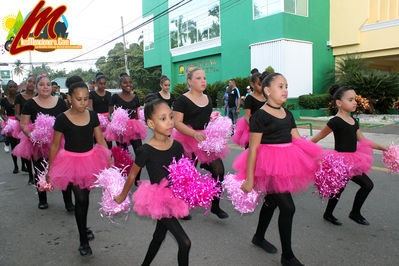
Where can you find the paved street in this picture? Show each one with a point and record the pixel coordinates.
(29, 236)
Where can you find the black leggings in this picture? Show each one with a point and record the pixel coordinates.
(66, 194)
(366, 185)
(137, 143)
(81, 209)
(287, 209)
(173, 225)
(216, 168)
(14, 142)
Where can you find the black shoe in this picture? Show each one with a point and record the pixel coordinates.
(16, 171)
(90, 235)
(358, 218)
(186, 218)
(24, 169)
(220, 213)
(70, 207)
(43, 205)
(290, 262)
(30, 182)
(85, 250)
(331, 219)
(265, 245)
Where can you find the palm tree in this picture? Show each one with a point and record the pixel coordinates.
(19, 68)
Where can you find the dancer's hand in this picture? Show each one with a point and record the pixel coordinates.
(199, 136)
(119, 199)
(247, 186)
(47, 179)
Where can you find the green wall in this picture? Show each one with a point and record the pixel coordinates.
(238, 31)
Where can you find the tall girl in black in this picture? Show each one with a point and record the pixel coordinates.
(51, 105)
(20, 101)
(100, 99)
(253, 102)
(128, 100)
(351, 144)
(278, 163)
(164, 93)
(77, 164)
(192, 112)
(157, 153)
(8, 112)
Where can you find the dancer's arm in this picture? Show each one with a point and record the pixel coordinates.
(374, 145)
(128, 184)
(55, 146)
(254, 142)
(183, 128)
(322, 134)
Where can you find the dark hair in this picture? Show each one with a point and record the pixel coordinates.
(91, 81)
(54, 83)
(73, 86)
(163, 79)
(122, 76)
(72, 80)
(337, 92)
(254, 70)
(255, 77)
(267, 81)
(233, 80)
(99, 76)
(264, 75)
(151, 101)
(31, 76)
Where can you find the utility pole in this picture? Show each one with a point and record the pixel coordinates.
(124, 47)
(30, 62)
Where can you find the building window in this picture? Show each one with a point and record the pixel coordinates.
(264, 8)
(148, 34)
(194, 22)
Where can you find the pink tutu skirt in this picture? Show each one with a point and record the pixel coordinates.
(360, 160)
(190, 146)
(135, 129)
(241, 134)
(282, 168)
(157, 201)
(24, 149)
(11, 128)
(78, 168)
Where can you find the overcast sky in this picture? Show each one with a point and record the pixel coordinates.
(91, 23)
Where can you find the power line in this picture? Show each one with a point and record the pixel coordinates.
(166, 11)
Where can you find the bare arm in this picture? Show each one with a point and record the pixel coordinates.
(25, 119)
(128, 184)
(322, 134)
(184, 129)
(91, 104)
(374, 145)
(98, 135)
(110, 112)
(254, 142)
(247, 115)
(18, 112)
(295, 133)
(238, 105)
(55, 146)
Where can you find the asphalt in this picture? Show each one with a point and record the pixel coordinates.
(29, 236)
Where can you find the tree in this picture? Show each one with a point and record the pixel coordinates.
(18, 68)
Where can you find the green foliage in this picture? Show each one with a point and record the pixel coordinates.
(311, 101)
(179, 89)
(213, 91)
(269, 69)
(291, 106)
(141, 93)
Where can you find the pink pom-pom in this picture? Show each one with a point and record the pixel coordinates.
(242, 202)
(103, 121)
(112, 181)
(43, 132)
(119, 121)
(9, 127)
(214, 115)
(390, 158)
(122, 159)
(188, 184)
(332, 175)
(42, 184)
(216, 133)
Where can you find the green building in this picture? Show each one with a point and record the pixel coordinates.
(228, 38)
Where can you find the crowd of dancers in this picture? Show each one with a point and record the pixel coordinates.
(276, 160)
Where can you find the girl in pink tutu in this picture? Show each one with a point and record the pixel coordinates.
(8, 116)
(135, 130)
(278, 163)
(192, 112)
(153, 198)
(77, 164)
(253, 102)
(20, 101)
(100, 99)
(354, 147)
(43, 103)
